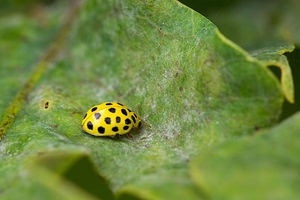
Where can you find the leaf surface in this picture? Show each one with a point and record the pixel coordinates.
(263, 167)
(167, 62)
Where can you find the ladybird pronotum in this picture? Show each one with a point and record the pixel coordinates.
(110, 119)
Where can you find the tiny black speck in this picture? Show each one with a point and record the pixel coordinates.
(107, 120)
(90, 125)
(124, 112)
(108, 104)
(95, 108)
(125, 127)
(112, 110)
(120, 104)
(133, 119)
(127, 121)
(85, 116)
(118, 119)
(101, 129)
(97, 115)
(115, 129)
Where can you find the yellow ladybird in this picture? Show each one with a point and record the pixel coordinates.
(110, 119)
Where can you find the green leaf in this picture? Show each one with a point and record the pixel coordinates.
(271, 57)
(167, 62)
(261, 26)
(264, 167)
(267, 29)
(23, 38)
(254, 24)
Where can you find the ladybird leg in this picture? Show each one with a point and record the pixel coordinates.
(147, 125)
(130, 136)
(115, 136)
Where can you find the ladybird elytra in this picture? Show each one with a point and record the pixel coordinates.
(110, 119)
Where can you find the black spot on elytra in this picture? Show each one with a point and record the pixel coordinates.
(107, 120)
(126, 127)
(129, 110)
(118, 119)
(133, 119)
(112, 110)
(135, 115)
(140, 124)
(90, 125)
(127, 121)
(124, 112)
(93, 109)
(101, 130)
(120, 104)
(108, 104)
(85, 116)
(97, 115)
(115, 129)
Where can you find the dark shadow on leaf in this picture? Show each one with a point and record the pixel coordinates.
(128, 197)
(77, 169)
(294, 61)
(84, 175)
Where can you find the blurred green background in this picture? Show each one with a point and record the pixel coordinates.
(253, 25)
